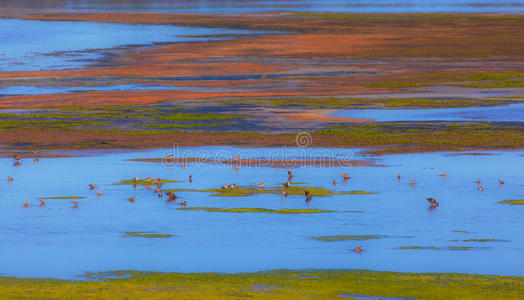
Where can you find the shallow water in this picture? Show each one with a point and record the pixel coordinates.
(29, 41)
(61, 241)
(247, 6)
(514, 112)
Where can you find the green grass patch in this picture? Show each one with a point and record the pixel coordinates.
(259, 210)
(148, 234)
(286, 284)
(337, 238)
(292, 190)
(512, 202)
(144, 182)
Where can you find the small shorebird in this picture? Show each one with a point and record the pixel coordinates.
(345, 176)
(232, 186)
(284, 196)
(432, 201)
(75, 203)
(358, 249)
(42, 201)
(160, 195)
(26, 204)
(261, 184)
(132, 199)
(17, 164)
(135, 179)
(17, 157)
(224, 186)
(290, 174)
(158, 180)
(398, 176)
(99, 193)
(171, 195)
(443, 174)
(36, 160)
(308, 194)
(480, 188)
(190, 178)
(334, 182)
(412, 182)
(10, 179)
(183, 203)
(501, 182)
(287, 184)
(478, 181)
(92, 186)
(148, 179)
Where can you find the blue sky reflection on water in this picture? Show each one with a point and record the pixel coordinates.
(59, 241)
(26, 41)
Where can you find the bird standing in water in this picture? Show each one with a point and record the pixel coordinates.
(345, 176)
(412, 182)
(132, 199)
(480, 188)
(190, 178)
(334, 182)
(501, 182)
(9, 179)
(92, 186)
(261, 184)
(26, 204)
(443, 174)
(287, 184)
(358, 249)
(434, 203)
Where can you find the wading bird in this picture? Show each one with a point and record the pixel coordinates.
(92, 186)
(99, 193)
(10, 179)
(334, 182)
(284, 196)
(148, 179)
(160, 195)
(345, 176)
(26, 204)
(171, 196)
(36, 160)
(224, 186)
(42, 201)
(287, 184)
(412, 182)
(17, 157)
(398, 176)
(480, 188)
(190, 178)
(478, 181)
(135, 179)
(236, 168)
(17, 164)
(183, 203)
(501, 182)
(132, 199)
(232, 186)
(75, 203)
(358, 249)
(290, 174)
(261, 184)
(434, 203)
(443, 174)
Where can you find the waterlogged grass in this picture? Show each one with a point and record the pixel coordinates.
(483, 240)
(147, 234)
(344, 102)
(337, 238)
(64, 197)
(259, 210)
(288, 284)
(512, 202)
(292, 190)
(144, 181)
(449, 248)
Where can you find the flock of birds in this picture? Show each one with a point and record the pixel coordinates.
(172, 197)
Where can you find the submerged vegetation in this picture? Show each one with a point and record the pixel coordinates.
(336, 238)
(63, 197)
(259, 210)
(145, 181)
(319, 284)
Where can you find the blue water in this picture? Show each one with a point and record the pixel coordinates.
(24, 42)
(60, 241)
(249, 6)
(513, 112)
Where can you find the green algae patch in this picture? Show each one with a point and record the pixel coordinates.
(286, 284)
(512, 202)
(336, 238)
(147, 234)
(483, 240)
(291, 190)
(259, 210)
(63, 197)
(144, 181)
